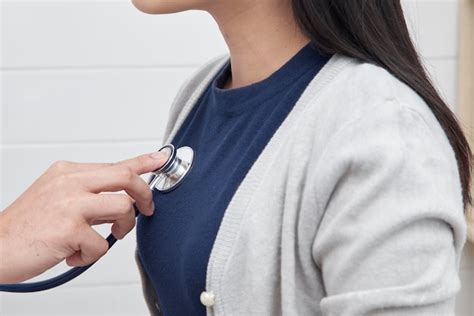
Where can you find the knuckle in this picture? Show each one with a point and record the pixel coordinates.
(123, 226)
(127, 173)
(118, 230)
(147, 194)
(131, 224)
(103, 247)
(125, 204)
(60, 166)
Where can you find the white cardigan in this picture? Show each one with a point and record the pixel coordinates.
(354, 207)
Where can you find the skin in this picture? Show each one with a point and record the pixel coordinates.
(70, 198)
(262, 35)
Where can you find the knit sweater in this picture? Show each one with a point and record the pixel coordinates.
(227, 129)
(354, 206)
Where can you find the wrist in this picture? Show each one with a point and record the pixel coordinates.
(11, 251)
(5, 249)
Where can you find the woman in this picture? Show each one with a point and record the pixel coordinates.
(330, 177)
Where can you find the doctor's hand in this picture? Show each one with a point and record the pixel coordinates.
(51, 221)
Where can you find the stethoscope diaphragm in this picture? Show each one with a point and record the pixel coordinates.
(174, 170)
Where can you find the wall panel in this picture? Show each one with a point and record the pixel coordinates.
(94, 80)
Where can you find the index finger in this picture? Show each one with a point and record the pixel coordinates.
(145, 163)
(140, 164)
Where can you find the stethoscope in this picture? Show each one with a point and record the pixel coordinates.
(164, 179)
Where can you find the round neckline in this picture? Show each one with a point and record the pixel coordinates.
(233, 101)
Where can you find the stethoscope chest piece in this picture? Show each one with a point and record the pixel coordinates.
(173, 171)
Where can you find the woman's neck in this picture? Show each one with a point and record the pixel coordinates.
(261, 38)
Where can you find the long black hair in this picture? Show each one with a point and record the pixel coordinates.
(375, 31)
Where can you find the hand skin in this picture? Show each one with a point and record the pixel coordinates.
(51, 221)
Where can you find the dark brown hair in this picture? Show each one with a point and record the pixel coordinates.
(375, 31)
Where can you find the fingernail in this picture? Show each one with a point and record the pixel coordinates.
(158, 155)
(152, 208)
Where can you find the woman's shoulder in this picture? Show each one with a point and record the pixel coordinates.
(364, 86)
(363, 106)
(357, 92)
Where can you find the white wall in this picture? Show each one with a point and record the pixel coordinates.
(93, 80)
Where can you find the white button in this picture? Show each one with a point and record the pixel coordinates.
(207, 298)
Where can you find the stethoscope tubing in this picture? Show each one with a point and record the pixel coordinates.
(57, 280)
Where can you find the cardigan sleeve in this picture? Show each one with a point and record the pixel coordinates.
(392, 232)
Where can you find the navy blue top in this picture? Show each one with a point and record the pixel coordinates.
(228, 129)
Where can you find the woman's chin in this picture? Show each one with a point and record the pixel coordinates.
(164, 6)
